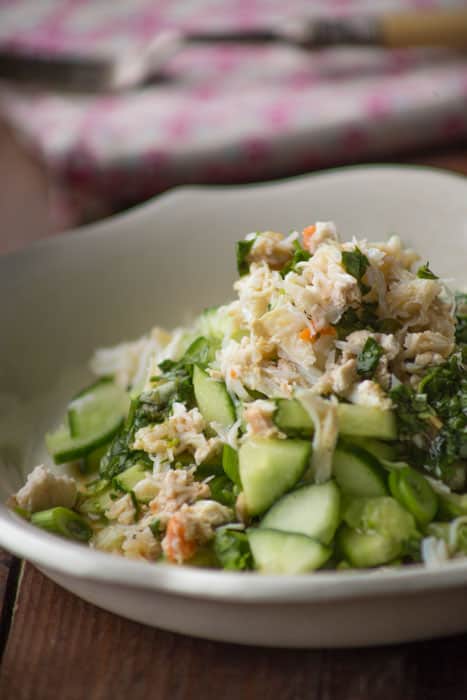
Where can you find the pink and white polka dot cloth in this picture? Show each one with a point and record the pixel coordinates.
(223, 114)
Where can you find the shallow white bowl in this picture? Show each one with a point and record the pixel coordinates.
(161, 263)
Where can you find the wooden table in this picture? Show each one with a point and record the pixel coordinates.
(53, 645)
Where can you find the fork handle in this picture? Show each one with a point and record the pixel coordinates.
(434, 28)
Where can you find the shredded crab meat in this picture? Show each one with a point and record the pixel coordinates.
(258, 418)
(181, 432)
(122, 510)
(272, 248)
(140, 543)
(176, 488)
(44, 489)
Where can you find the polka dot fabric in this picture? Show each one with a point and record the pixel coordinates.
(222, 113)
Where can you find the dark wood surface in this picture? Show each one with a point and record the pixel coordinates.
(53, 645)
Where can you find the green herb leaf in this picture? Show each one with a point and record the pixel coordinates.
(243, 250)
(300, 255)
(368, 359)
(349, 322)
(355, 262)
(232, 549)
(425, 273)
(432, 420)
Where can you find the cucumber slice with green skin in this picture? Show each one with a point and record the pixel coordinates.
(365, 550)
(64, 448)
(276, 552)
(127, 480)
(292, 419)
(213, 399)
(383, 515)
(366, 421)
(414, 492)
(98, 409)
(268, 468)
(357, 472)
(95, 416)
(310, 510)
(230, 464)
(353, 420)
(380, 450)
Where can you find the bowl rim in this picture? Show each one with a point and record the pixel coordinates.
(74, 560)
(169, 196)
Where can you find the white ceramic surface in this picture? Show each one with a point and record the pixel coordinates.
(160, 263)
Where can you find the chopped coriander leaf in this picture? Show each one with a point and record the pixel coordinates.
(425, 273)
(300, 255)
(432, 420)
(243, 250)
(368, 358)
(232, 549)
(368, 315)
(120, 456)
(365, 318)
(349, 322)
(355, 262)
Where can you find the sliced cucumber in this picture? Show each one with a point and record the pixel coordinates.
(364, 550)
(353, 420)
(213, 399)
(98, 409)
(63, 448)
(310, 510)
(127, 480)
(357, 472)
(366, 421)
(414, 492)
(292, 419)
(380, 450)
(383, 515)
(269, 467)
(230, 464)
(94, 416)
(276, 552)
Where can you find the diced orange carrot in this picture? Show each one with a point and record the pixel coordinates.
(308, 335)
(177, 547)
(305, 334)
(307, 234)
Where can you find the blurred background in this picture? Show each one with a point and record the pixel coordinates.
(219, 113)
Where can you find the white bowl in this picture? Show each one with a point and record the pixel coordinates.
(161, 263)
